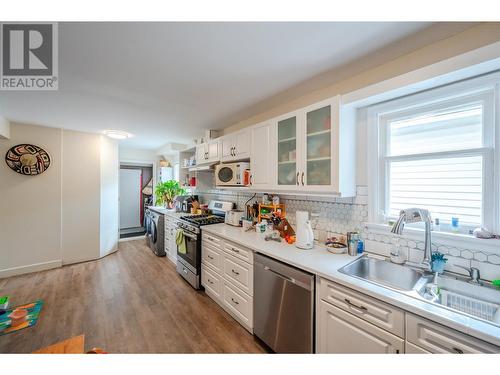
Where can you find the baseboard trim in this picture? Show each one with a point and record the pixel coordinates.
(141, 237)
(8, 272)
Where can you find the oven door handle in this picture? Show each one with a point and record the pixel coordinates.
(189, 235)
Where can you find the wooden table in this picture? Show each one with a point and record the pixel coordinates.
(74, 345)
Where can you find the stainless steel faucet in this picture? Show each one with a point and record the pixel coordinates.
(473, 274)
(415, 215)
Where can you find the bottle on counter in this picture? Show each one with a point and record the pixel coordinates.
(361, 246)
(437, 225)
(455, 225)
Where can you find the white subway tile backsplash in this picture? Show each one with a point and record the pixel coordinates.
(454, 261)
(487, 271)
(338, 216)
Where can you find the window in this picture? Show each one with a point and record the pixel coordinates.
(436, 150)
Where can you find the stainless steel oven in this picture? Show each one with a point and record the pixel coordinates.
(189, 262)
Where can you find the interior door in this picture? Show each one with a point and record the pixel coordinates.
(288, 175)
(130, 198)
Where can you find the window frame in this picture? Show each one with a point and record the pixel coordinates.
(484, 89)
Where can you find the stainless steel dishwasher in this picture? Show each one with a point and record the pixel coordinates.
(283, 306)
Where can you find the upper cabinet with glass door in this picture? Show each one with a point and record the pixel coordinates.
(315, 151)
(287, 152)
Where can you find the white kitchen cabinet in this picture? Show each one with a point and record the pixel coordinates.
(288, 146)
(212, 283)
(379, 313)
(261, 165)
(436, 338)
(342, 332)
(315, 151)
(235, 146)
(169, 243)
(414, 349)
(207, 152)
(227, 275)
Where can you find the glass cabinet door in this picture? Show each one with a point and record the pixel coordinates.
(287, 151)
(319, 147)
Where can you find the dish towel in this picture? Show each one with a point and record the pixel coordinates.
(180, 241)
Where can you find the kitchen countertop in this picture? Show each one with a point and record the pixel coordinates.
(325, 264)
(166, 211)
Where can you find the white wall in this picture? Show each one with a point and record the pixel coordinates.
(4, 128)
(80, 196)
(30, 206)
(109, 219)
(65, 215)
(138, 155)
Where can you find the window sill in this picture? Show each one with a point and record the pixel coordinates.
(461, 241)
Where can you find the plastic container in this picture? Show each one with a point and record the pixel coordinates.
(17, 317)
(455, 225)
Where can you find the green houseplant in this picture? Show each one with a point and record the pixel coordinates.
(166, 192)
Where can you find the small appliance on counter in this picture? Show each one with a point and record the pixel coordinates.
(233, 217)
(231, 174)
(304, 233)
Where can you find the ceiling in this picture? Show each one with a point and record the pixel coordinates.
(167, 82)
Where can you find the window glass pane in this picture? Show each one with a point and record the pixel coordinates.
(448, 187)
(453, 129)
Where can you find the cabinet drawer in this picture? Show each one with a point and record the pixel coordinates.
(436, 338)
(414, 349)
(212, 256)
(342, 332)
(214, 241)
(212, 282)
(239, 252)
(370, 309)
(238, 304)
(239, 273)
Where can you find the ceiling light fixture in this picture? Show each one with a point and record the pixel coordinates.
(117, 134)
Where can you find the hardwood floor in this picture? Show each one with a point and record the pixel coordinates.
(128, 302)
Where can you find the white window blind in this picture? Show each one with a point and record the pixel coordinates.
(432, 174)
(437, 154)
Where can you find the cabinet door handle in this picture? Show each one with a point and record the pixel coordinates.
(362, 308)
(298, 179)
(235, 250)
(236, 273)
(210, 281)
(251, 178)
(302, 178)
(234, 301)
(210, 257)
(458, 350)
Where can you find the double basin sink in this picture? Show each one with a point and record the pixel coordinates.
(479, 301)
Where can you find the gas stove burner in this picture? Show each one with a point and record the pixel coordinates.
(203, 219)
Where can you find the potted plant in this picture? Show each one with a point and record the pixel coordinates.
(166, 192)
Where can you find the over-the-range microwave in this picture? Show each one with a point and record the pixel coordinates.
(231, 174)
